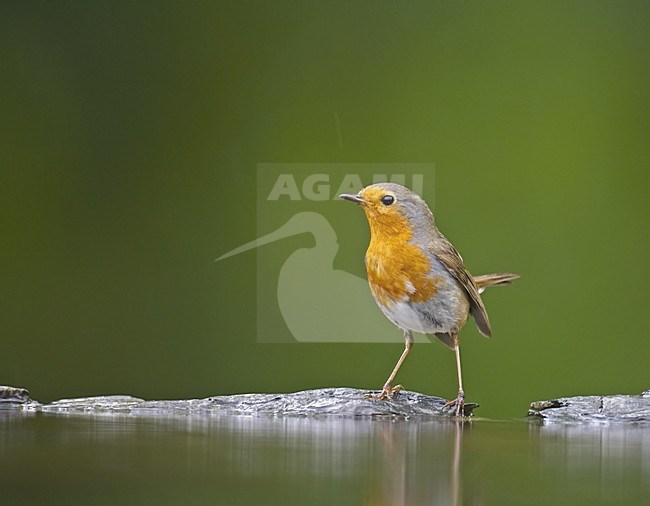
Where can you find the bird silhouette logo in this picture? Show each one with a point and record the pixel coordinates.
(319, 303)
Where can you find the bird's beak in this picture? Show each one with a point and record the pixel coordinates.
(352, 198)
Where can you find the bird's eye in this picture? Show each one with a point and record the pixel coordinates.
(387, 200)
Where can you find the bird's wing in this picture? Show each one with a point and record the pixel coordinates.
(451, 259)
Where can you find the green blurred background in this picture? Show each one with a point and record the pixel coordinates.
(130, 135)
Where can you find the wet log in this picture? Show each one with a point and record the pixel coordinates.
(593, 408)
(12, 396)
(339, 402)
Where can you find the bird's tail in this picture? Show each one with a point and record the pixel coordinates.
(494, 280)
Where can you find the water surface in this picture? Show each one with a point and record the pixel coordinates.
(123, 459)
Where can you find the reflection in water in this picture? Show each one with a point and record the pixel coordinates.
(256, 460)
(389, 458)
(419, 465)
(376, 462)
(602, 450)
(455, 468)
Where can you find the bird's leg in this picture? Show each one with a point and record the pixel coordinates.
(459, 402)
(388, 390)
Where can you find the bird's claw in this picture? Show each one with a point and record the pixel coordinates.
(458, 403)
(386, 392)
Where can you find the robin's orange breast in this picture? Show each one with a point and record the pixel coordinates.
(398, 271)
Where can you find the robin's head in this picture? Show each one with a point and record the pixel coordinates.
(391, 208)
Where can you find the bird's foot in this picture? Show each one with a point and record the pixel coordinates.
(386, 392)
(458, 403)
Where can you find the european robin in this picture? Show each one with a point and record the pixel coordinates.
(417, 277)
